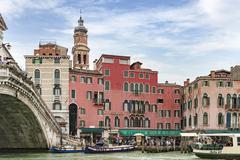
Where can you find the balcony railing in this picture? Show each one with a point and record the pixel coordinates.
(98, 101)
(136, 92)
(57, 98)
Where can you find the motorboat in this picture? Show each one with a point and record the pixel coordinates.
(226, 146)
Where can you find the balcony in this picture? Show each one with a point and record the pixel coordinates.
(136, 92)
(98, 101)
(57, 98)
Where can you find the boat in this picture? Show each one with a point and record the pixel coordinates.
(66, 149)
(109, 149)
(226, 147)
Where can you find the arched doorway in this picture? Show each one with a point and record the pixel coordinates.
(73, 109)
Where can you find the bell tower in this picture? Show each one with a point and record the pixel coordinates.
(80, 49)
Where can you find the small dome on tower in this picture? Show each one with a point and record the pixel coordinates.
(80, 27)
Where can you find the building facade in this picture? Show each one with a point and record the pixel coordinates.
(212, 102)
(49, 69)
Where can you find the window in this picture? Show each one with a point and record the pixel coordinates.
(141, 75)
(57, 105)
(168, 113)
(88, 80)
(107, 105)
(100, 81)
(205, 100)
(56, 60)
(190, 104)
(220, 119)
(229, 84)
(190, 89)
(100, 124)
(146, 88)
(147, 75)
(125, 87)
(89, 95)
(228, 100)
(107, 85)
(161, 113)
(195, 120)
(125, 74)
(117, 122)
(190, 121)
(126, 122)
(141, 87)
(108, 60)
(73, 78)
(125, 106)
(82, 123)
(205, 118)
(123, 61)
(153, 89)
(220, 84)
(195, 85)
(168, 125)
(37, 60)
(57, 90)
(82, 111)
(82, 79)
(178, 101)
(107, 72)
(132, 75)
(100, 112)
(176, 113)
(177, 91)
(195, 102)
(220, 100)
(160, 125)
(57, 74)
(73, 94)
(39, 90)
(234, 101)
(205, 83)
(147, 123)
(159, 100)
(37, 76)
(107, 122)
(177, 126)
(161, 91)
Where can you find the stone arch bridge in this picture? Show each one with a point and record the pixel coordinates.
(25, 121)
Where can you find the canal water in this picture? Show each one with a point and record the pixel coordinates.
(110, 156)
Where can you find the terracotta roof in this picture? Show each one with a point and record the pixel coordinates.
(85, 71)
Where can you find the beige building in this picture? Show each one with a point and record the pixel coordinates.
(49, 69)
(212, 102)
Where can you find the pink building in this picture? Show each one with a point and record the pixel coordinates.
(118, 96)
(212, 102)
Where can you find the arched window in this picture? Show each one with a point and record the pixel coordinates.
(147, 123)
(190, 121)
(125, 87)
(57, 74)
(107, 105)
(57, 105)
(37, 74)
(220, 119)
(196, 102)
(146, 88)
(234, 101)
(141, 124)
(107, 85)
(141, 87)
(136, 88)
(107, 122)
(228, 100)
(135, 124)
(131, 122)
(195, 120)
(205, 118)
(147, 106)
(205, 100)
(125, 106)
(234, 120)
(126, 122)
(130, 106)
(117, 122)
(132, 87)
(220, 100)
(136, 107)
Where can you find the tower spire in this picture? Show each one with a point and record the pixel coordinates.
(80, 21)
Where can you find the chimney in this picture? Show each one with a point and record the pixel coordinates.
(212, 74)
(94, 64)
(166, 82)
(187, 82)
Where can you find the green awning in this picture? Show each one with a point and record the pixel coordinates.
(221, 131)
(149, 132)
(92, 130)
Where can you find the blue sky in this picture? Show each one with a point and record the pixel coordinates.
(178, 38)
